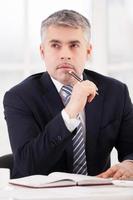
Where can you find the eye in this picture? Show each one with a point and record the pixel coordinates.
(74, 45)
(55, 45)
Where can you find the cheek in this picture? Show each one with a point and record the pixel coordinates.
(49, 58)
(51, 64)
(82, 55)
(82, 59)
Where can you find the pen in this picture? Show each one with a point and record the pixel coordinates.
(77, 78)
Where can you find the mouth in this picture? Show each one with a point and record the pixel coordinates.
(65, 66)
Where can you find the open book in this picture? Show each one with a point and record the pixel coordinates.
(59, 179)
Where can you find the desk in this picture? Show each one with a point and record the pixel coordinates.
(67, 193)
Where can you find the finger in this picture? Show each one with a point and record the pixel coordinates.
(91, 84)
(90, 98)
(118, 174)
(104, 175)
(109, 173)
(124, 177)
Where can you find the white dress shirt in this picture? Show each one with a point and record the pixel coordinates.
(71, 123)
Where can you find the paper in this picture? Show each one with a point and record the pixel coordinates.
(125, 183)
(59, 179)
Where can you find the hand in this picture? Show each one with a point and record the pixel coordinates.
(82, 92)
(123, 170)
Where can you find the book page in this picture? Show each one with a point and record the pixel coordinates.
(40, 181)
(58, 179)
(63, 175)
(82, 179)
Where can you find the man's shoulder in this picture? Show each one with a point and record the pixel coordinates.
(28, 83)
(102, 79)
(105, 84)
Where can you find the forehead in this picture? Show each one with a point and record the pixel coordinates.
(64, 33)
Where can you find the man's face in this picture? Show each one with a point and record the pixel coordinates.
(64, 49)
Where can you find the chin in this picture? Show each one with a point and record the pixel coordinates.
(64, 80)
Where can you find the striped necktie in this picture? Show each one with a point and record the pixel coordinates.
(79, 156)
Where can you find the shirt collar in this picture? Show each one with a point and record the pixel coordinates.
(57, 84)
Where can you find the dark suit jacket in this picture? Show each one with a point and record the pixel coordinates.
(40, 141)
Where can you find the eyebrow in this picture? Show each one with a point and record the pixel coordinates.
(69, 42)
(74, 41)
(54, 41)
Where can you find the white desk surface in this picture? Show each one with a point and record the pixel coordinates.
(67, 193)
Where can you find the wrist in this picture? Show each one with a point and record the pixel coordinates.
(71, 113)
(71, 123)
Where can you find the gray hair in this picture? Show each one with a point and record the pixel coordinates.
(68, 18)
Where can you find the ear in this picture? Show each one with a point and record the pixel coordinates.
(89, 50)
(42, 51)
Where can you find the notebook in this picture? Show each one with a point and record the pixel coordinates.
(59, 179)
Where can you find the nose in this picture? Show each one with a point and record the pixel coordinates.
(65, 58)
(65, 54)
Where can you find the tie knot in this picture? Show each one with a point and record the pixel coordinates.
(66, 92)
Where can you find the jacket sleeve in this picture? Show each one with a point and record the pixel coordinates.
(124, 143)
(34, 150)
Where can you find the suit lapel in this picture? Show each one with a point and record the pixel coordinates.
(51, 96)
(53, 102)
(93, 113)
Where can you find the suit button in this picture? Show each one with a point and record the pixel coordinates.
(59, 138)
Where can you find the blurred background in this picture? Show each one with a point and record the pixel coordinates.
(20, 20)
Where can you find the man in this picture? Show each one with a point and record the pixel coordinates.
(43, 127)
